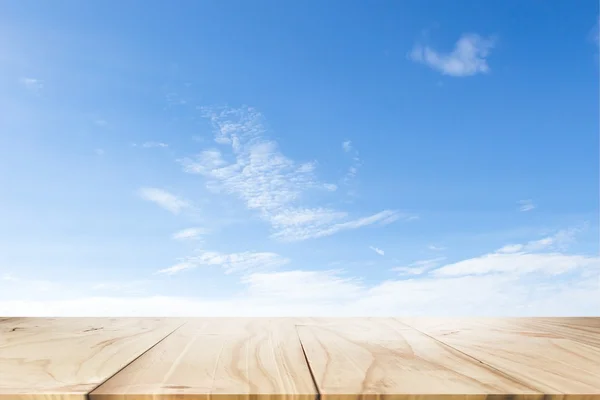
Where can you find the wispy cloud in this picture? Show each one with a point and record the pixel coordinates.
(267, 181)
(347, 146)
(326, 293)
(154, 144)
(8, 277)
(231, 263)
(189, 234)
(435, 248)
(468, 58)
(356, 162)
(32, 84)
(377, 250)
(174, 99)
(320, 228)
(99, 152)
(559, 241)
(519, 264)
(303, 285)
(510, 283)
(595, 32)
(134, 287)
(164, 199)
(419, 267)
(526, 205)
(545, 256)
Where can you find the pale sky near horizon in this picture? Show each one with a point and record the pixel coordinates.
(299, 158)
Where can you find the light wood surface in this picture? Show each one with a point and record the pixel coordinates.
(225, 358)
(375, 358)
(66, 358)
(548, 361)
(276, 358)
(584, 330)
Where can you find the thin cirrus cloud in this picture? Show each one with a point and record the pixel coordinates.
(271, 184)
(526, 205)
(519, 264)
(377, 250)
(557, 242)
(505, 288)
(419, 267)
(348, 147)
(469, 56)
(436, 248)
(230, 263)
(189, 234)
(148, 145)
(544, 256)
(302, 285)
(164, 199)
(32, 84)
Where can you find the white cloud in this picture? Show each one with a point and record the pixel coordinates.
(135, 287)
(542, 256)
(519, 264)
(328, 293)
(164, 199)
(320, 229)
(189, 234)
(513, 283)
(302, 285)
(469, 56)
(231, 263)
(330, 187)
(12, 286)
(559, 241)
(526, 205)
(32, 84)
(99, 152)
(511, 248)
(435, 248)
(347, 146)
(8, 277)
(378, 251)
(356, 162)
(266, 180)
(205, 163)
(154, 144)
(419, 267)
(101, 122)
(306, 217)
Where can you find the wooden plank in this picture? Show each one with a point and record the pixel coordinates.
(582, 329)
(544, 360)
(382, 358)
(66, 358)
(218, 358)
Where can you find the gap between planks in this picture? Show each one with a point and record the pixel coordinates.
(508, 376)
(87, 395)
(310, 371)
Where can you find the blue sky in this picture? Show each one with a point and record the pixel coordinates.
(284, 158)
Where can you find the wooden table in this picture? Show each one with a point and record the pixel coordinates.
(299, 358)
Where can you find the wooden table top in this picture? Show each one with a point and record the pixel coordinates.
(299, 358)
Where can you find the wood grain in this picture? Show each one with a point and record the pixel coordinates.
(382, 358)
(266, 358)
(224, 358)
(544, 360)
(65, 358)
(582, 329)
